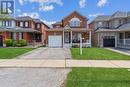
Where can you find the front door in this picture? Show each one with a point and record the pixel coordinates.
(67, 37)
(1, 40)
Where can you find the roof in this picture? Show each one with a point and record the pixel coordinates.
(28, 18)
(57, 23)
(119, 14)
(6, 17)
(24, 18)
(105, 30)
(18, 29)
(125, 26)
(71, 29)
(76, 13)
(102, 18)
(37, 20)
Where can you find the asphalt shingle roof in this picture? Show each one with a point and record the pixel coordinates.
(25, 18)
(119, 14)
(102, 18)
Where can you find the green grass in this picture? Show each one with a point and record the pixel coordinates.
(97, 54)
(98, 77)
(9, 53)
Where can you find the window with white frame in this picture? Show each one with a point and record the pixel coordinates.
(100, 24)
(6, 23)
(38, 26)
(20, 36)
(74, 22)
(26, 24)
(14, 36)
(21, 24)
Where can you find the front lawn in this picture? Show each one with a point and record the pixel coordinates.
(97, 54)
(9, 53)
(98, 77)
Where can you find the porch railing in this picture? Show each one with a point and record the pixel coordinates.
(124, 41)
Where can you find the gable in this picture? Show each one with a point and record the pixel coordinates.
(75, 15)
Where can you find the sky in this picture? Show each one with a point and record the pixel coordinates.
(51, 11)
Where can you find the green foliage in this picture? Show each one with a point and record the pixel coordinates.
(97, 54)
(14, 43)
(8, 42)
(23, 42)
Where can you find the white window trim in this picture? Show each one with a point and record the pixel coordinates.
(21, 24)
(74, 20)
(26, 24)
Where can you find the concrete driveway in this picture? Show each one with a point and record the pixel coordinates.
(48, 53)
(32, 77)
(37, 77)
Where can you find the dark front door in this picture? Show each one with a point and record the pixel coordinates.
(109, 41)
(1, 41)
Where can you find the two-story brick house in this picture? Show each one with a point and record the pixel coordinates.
(111, 30)
(32, 30)
(68, 32)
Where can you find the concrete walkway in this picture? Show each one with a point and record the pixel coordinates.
(18, 63)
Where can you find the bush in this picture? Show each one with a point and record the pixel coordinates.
(75, 46)
(23, 42)
(8, 42)
(14, 43)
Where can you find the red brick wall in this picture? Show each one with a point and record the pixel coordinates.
(52, 33)
(83, 20)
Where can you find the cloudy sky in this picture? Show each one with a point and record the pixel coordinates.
(51, 11)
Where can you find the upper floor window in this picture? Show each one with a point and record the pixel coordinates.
(6, 23)
(74, 22)
(38, 26)
(26, 24)
(120, 22)
(21, 24)
(100, 24)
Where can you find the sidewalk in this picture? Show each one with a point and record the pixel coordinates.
(22, 63)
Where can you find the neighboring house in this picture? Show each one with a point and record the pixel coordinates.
(7, 23)
(68, 32)
(32, 30)
(111, 30)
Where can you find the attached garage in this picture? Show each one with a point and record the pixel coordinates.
(109, 41)
(55, 41)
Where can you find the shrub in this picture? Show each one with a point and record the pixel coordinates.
(75, 46)
(23, 42)
(8, 42)
(14, 43)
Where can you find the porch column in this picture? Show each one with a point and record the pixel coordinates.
(124, 39)
(116, 41)
(71, 37)
(90, 37)
(63, 38)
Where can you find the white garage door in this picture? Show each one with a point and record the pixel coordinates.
(55, 41)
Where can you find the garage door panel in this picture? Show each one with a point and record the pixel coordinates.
(55, 41)
(109, 42)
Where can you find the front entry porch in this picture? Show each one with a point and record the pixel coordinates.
(124, 40)
(72, 38)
